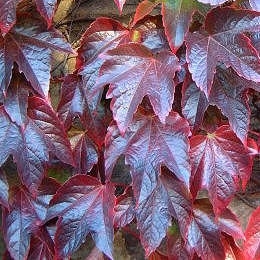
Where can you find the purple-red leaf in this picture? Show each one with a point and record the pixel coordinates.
(203, 234)
(51, 128)
(18, 224)
(74, 102)
(85, 154)
(219, 162)
(4, 189)
(148, 144)
(30, 46)
(7, 14)
(252, 244)
(104, 34)
(46, 8)
(223, 41)
(16, 101)
(31, 156)
(133, 72)
(84, 206)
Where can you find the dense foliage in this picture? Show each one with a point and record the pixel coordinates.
(168, 95)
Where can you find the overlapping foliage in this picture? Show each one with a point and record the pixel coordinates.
(178, 88)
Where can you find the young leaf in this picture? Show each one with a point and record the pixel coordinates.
(224, 41)
(147, 145)
(18, 224)
(203, 234)
(176, 19)
(133, 72)
(252, 244)
(51, 128)
(30, 46)
(84, 206)
(46, 8)
(219, 160)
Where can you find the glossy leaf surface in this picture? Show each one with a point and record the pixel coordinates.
(134, 72)
(219, 161)
(93, 204)
(223, 41)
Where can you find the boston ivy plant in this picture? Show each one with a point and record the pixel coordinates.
(168, 94)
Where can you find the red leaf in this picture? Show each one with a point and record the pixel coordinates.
(93, 204)
(18, 224)
(252, 244)
(46, 9)
(224, 41)
(7, 14)
(133, 72)
(30, 46)
(203, 234)
(4, 189)
(85, 154)
(219, 160)
(51, 128)
(120, 4)
(148, 144)
(104, 34)
(144, 8)
(74, 102)
(229, 223)
(124, 209)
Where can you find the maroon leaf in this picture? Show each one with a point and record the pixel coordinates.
(133, 72)
(252, 244)
(93, 204)
(4, 189)
(31, 155)
(30, 46)
(51, 128)
(16, 101)
(219, 160)
(229, 94)
(39, 250)
(74, 102)
(229, 223)
(224, 41)
(194, 103)
(124, 209)
(18, 224)
(120, 4)
(147, 144)
(46, 8)
(104, 34)
(9, 136)
(7, 14)
(203, 233)
(85, 154)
